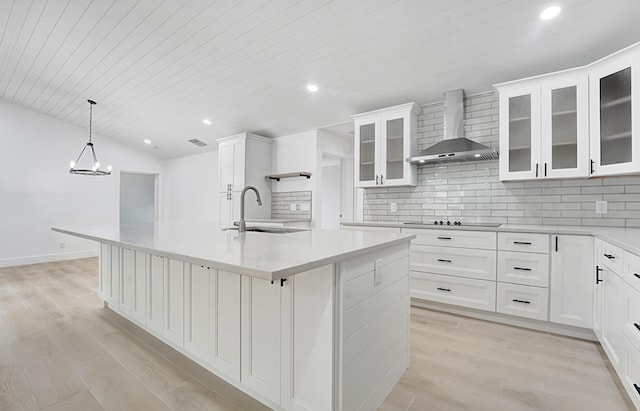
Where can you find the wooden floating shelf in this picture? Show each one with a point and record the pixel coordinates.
(277, 177)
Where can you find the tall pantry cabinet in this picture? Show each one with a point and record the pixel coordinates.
(243, 160)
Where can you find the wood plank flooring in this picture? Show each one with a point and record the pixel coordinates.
(61, 350)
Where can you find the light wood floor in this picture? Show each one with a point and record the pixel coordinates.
(60, 350)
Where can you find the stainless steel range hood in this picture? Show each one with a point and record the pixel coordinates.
(454, 147)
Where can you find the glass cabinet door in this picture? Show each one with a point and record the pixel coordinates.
(520, 133)
(394, 148)
(614, 87)
(565, 126)
(367, 152)
(615, 118)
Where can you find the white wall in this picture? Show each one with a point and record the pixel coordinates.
(191, 188)
(37, 191)
(299, 152)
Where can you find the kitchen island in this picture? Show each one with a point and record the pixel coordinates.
(308, 320)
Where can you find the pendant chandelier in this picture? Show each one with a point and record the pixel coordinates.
(95, 168)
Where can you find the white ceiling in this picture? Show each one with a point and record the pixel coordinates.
(158, 67)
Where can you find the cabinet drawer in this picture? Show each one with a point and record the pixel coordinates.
(612, 257)
(523, 268)
(453, 238)
(632, 269)
(460, 262)
(632, 371)
(466, 292)
(531, 243)
(631, 314)
(369, 228)
(522, 300)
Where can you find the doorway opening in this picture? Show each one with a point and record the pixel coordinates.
(138, 195)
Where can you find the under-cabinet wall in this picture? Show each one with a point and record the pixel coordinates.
(472, 191)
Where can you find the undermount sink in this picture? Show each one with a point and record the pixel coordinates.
(271, 230)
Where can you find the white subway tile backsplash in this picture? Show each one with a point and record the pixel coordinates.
(472, 191)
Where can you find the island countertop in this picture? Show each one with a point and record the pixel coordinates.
(264, 255)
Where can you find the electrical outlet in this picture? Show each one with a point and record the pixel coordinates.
(394, 207)
(62, 245)
(601, 207)
(305, 206)
(293, 207)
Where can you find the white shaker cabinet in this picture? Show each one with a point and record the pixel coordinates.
(260, 343)
(612, 303)
(155, 294)
(544, 127)
(243, 160)
(614, 84)
(174, 302)
(384, 139)
(598, 293)
(133, 284)
(110, 274)
(572, 282)
(212, 313)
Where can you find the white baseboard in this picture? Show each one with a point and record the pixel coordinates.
(36, 259)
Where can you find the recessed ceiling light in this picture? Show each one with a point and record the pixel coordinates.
(550, 12)
(147, 142)
(312, 88)
(206, 121)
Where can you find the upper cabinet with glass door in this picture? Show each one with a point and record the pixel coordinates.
(614, 84)
(544, 127)
(384, 139)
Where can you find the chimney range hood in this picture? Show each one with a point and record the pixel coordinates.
(454, 147)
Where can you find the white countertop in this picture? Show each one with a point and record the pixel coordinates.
(625, 238)
(263, 255)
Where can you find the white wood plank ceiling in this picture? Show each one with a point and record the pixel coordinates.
(158, 67)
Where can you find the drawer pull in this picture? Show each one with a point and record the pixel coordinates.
(442, 260)
(444, 238)
(636, 275)
(444, 289)
(609, 256)
(515, 300)
(637, 326)
(637, 388)
(522, 268)
(522, 242)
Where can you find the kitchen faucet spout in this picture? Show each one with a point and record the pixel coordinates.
(242, 226)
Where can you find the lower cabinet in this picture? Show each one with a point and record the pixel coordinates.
(133, 284)
(572, 280)
(522, 300)
(155, 294)
(465, 292)
(631, 368)
(612, 316)
(212, 318)
(598, 292)
(110, 274)
(174, 302)
(260, 345)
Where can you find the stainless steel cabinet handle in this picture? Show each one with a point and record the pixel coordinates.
(442, 260)
(522, 268)
(444, 289)
(515, 300)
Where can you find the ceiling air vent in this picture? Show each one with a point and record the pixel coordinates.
(197, 142)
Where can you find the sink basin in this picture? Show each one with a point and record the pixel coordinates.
(271, 230)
